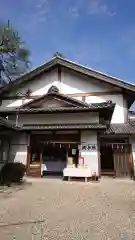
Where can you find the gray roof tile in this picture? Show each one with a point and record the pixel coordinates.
(122, 128)
(91, 107)
(7, 124)
(63, 126)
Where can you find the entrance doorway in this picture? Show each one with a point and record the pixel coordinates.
(54, 159)
(107, 160)
(48, 154)
(116, 158)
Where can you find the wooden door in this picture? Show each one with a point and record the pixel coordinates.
(123, 160)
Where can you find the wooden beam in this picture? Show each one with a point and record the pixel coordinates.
(28, 159)
(114, 161)
(14, 97)
(131, 164)
(41, 161)
(66, 156)
(94, 94)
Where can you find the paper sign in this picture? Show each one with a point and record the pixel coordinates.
(73, 151)
(88, 147)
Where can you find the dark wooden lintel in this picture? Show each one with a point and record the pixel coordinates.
(94, 94)
(14, 97)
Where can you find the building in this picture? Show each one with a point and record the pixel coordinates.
(63, 113)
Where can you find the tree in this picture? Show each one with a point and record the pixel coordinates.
(13, 53)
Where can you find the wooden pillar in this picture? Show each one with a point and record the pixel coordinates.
(28, 153)
(131, 165)
(28, 139)
(28, 159)
(41, 161)
(131, 162)
(9, 147)
(99, 159)
(114, 159)
(66, 156)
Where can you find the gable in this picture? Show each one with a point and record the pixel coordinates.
(66, 80)
(54, 99)
(69, 82)
(58, 62)
(72, 80)
(48, 102)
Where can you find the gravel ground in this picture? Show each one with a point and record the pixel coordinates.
(53, 209)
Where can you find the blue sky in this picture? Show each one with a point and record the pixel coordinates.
(96, 33)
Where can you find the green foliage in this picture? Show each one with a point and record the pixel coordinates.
(13, 53)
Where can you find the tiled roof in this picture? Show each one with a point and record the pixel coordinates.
(131, 121)
(63, 126)
(7, 124)
(122, 128)
(91, 107)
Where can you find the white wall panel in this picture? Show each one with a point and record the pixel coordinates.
(91, 156)
(65, 118)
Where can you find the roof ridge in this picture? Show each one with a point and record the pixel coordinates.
(57, 60)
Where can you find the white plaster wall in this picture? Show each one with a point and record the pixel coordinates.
(133, 149)
(90, 157)
(14, 103)
(125, 110)
(39, 86)
(76, 83)
(18, 150)
(119, 111)
(65, 118)
(72, 83)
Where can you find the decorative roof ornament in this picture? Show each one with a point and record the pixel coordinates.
(28, 92)
(109, 101)
(58, 54)
(53, 89)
